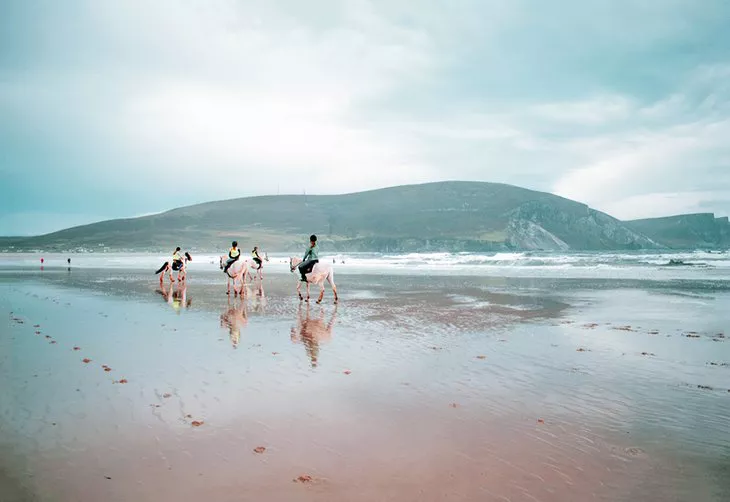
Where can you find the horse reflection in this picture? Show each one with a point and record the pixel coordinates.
(235, 318)
(311, 331)
(177, 298)
(258, 299)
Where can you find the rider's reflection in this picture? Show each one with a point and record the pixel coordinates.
(176, 297)
(235, 318)
(311, 331)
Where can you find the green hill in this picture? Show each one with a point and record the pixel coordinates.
(453, 216)
(686, 231)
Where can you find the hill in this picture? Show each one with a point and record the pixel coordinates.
(450, 216)
(686, 231)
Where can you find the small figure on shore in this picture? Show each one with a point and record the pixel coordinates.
(311, 257)
(233, 255)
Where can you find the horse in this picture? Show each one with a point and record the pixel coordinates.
(181, 272)
(319, 273)
(236, 272)
(252, 265)
(312, 331)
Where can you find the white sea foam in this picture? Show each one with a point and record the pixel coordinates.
(647, 265)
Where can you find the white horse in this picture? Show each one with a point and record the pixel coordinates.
(236, 273)
(182, 272)
(252, 265)
(319, 273)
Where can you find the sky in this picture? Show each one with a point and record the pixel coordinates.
(122, 108)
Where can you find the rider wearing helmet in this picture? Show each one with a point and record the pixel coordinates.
(311, 257)
(233, 255)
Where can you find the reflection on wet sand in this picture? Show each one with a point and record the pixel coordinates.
(311, 331)
(176, 297)
(258, 300)
(461, 391)
(235, 318)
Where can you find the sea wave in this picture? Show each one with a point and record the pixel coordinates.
(594, 264)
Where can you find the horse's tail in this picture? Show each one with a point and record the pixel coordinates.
(331, 277)
(187, 255)
(163, 267)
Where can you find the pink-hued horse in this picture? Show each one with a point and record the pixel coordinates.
(253, 266)
(320, 273)
(182, 272)
(236, 273)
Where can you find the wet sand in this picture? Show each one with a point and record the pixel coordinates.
(412, 388)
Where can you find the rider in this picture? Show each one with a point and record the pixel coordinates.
(177, 260)
(256, 257)
(311, 257)
(233, 255)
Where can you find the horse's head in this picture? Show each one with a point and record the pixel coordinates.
(293, 262)
(221, 262)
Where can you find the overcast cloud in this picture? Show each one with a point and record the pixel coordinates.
(121, 108)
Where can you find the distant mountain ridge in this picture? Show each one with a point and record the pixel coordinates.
(686, 230)
(443, 216)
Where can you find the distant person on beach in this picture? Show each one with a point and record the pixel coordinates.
(311, 258)
(69, 261)
(41, 261)
(233, 255)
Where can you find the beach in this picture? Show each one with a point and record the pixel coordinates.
(426, 382)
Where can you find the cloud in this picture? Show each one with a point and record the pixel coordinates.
(141, 107)
(593, 111)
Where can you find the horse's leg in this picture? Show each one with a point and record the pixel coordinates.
(321, 291)
(307, 290)
(299, 290)
(331, 280)
(228, 284)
